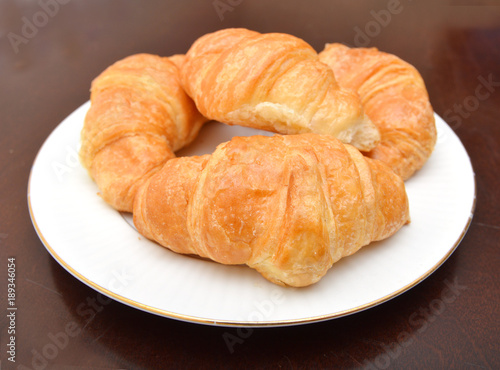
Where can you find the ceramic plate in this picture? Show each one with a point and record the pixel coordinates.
(100, 247)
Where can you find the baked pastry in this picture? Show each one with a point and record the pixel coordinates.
(396, 100)
(288, 206)
(272, 82)
(139, 116)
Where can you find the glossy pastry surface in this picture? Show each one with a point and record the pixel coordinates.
(396, 100)
(139, 116)
(287, 206)
(273, 82)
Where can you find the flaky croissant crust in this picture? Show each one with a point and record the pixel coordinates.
(396, 100)
(139, 115)
(287, 206)
(273, 82)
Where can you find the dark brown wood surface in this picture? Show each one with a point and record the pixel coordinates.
(49, 53)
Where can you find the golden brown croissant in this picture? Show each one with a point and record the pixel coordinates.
(287, 206)
(272, 82)
(139, 115)
(396, 100)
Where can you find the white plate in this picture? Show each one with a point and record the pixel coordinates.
(100, 247)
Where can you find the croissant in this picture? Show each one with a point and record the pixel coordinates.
(139, 116)
(396, 100)
(288, 206)
(272, 82)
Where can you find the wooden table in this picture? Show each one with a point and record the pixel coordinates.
(49, 53)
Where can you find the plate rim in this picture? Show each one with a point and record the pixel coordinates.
(253, 324)
(235, 323)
